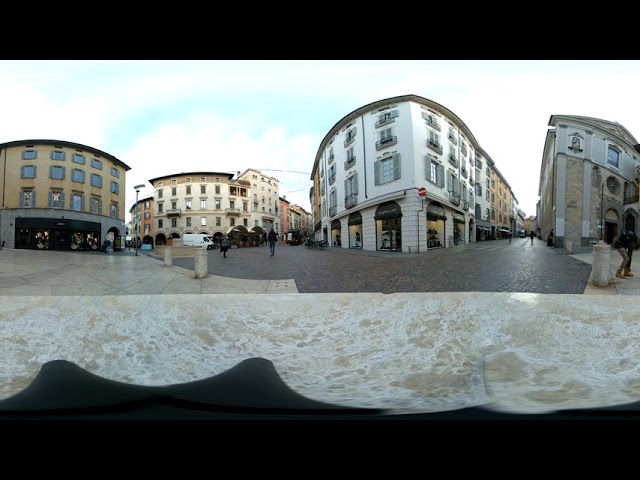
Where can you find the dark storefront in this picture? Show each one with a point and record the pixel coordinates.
(57, 234)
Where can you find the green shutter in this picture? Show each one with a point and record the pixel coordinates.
(50, 199)
(354, 184)
(396, 166)
(376, 173)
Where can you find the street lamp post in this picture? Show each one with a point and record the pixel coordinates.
(135, 225)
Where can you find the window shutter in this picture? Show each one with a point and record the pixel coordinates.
(427, 168)
(62, 196)
(51, 171)
(376, 173)
(100, 206)
(84, 176)
(394, 113)
(34, 171)
(347, 189)
(396, 166)
(82, 203)
(64, 175)
(33, 199)
(354, 184)
(22, 172)
(50, 199)
(440, 179)
(354, 130)
(21, 199)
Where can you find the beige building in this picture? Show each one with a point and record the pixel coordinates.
(59, 195)
(213, 203)
(265, 201)
(142, 223)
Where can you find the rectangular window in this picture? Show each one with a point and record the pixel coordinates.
(28, 171)
(147, 229)
(159, 193)
(203, 204)
(96, 180)
(203, 189)
(188, 202)
(96, 205)
(56, 199)
(160, 208)
(147, 205)
(27, 199)
(95, 163)
(29, 154)
(434, 172)
(232, 204)
(219, 221)
(159, 223)
(174, 205)
(114, 210)
(147, 215)
(232, 222)
(56, 172)
(174, 222)
(613, 157)
(77, 175)
(174, 182)
(189, 190)
(174, 191)
(115, 188)
(115, 172)
(77, 158)
(203, 221)
(203, 179)
(188, 221)
(218, 206)
(58, 155)
(217, 189)
(77, 202)
(387, 169)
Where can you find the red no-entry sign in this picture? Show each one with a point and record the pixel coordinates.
(422, 192)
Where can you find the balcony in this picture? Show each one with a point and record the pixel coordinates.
(350, 162)
(453, 161)
(232, 211)
(386, 142)
(350, 201)
(436, 147)
(465, 205)
(454, 198)
(333, 210)
(174, 212)
(332, 178)
(331, 158)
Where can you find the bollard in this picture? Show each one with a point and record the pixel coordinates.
(168, 256)
(200, 262)
(600, 266)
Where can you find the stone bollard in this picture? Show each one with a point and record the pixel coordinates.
(200, 262)
(600, 266)
(168, 256)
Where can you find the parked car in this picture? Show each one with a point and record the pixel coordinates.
(294, 237)
(197, 240)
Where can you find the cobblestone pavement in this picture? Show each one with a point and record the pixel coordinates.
(489, 266)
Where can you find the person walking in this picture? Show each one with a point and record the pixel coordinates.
(272, 242)
(621, 243)
(632, 245)
(550, 239)
(531, 236)
(224, 245)
(510, 235)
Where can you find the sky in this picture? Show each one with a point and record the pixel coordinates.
(162, 117)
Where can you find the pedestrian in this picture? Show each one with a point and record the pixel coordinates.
(510, 235)
(224, 245)
(550, 239)
(621, 243)
(632, 245)
(272, 241)
(531, 236)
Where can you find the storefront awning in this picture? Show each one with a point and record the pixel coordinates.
(506, 230)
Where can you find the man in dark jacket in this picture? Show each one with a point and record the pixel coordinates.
(272, 242)
(632, 244)
(621, 244)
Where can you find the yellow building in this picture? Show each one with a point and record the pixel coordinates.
(59, 195)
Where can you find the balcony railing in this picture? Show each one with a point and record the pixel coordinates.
(454, 198)
(387, 142)
(350, 201)
(350, 162)
(174, 212)
(332, 178)
(436, 147)
(333, 210)
(232, 211)
(453, 161)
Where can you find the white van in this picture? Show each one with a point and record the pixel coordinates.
(197, 240)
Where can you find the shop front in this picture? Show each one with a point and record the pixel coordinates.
(389, 227)
(458, 229)
(55, 234)
(436, 219)
(355, 230)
